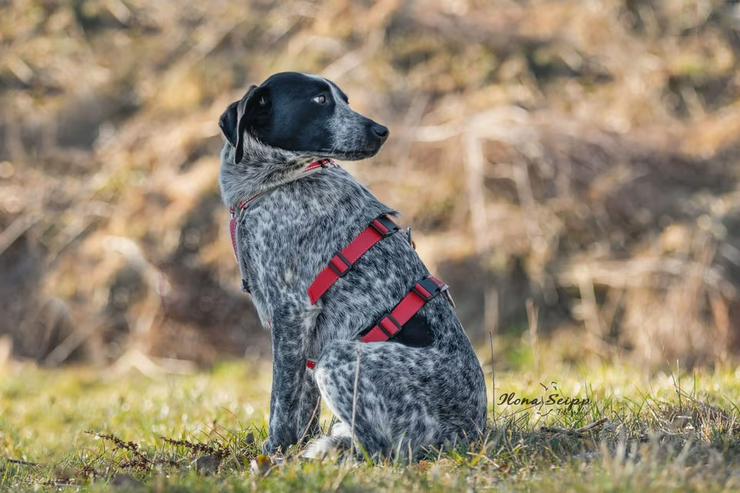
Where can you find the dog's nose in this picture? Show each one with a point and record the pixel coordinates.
(380, 131)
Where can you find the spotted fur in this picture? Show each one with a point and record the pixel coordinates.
(406, 398)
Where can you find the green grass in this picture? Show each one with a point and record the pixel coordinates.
(92, 430)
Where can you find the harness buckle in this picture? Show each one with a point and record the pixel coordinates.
(389, 325)
(384, 225)
(429, 287)
(340, 264)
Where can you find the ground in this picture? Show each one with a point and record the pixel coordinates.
(94, 430)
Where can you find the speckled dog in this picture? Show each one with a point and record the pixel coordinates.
(424, 387)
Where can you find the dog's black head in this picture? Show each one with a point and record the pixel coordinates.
(304, 114)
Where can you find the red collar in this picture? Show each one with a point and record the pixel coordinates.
(305, 171)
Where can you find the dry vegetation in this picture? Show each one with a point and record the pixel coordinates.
(580, 155)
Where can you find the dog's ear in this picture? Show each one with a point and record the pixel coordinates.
(233, 121)
(228, 123)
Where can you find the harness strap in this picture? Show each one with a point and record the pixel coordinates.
(234, 231)
(341, 263)
(391, 324)
(422, 293)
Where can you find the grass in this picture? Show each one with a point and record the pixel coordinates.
(89, 430)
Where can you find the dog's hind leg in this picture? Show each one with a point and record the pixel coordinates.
(384, 404)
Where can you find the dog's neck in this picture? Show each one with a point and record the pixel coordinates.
(261, 169)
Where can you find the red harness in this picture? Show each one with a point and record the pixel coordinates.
(422, 293)
(391, 324)
(340, 264)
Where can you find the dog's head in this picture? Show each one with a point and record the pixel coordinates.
(304, 114)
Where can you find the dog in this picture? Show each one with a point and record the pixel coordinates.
(423, 388)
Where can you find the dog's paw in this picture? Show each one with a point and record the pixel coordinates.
(270, 447)
(324, 447)
(338, 442)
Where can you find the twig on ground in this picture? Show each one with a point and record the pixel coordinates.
(140, 460)
(578, 431)
(491, 320)
(195, 447)
(533, 319)
(354, 401)
(19, 462)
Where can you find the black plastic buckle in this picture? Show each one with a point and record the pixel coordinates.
(394, 321)
(347, 264)
(431, 286)
(384, 225)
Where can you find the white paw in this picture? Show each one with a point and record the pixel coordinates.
(321, 448)
(341, 429)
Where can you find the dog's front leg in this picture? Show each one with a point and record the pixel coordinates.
(294, 399)
(309, 409)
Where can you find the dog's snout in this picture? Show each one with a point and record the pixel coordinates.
(380, 131)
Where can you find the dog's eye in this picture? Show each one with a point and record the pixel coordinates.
(320, 99)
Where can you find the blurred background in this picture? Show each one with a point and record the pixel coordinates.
(570, 169)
